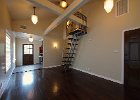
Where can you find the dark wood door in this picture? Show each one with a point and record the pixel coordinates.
(132, 58)
(28, 54)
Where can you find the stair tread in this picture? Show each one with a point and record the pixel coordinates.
(72, 44)
(72, 48)
(73, 39)
(66, 61)
(78, 32)
(68, 57)
(66, 64)
(70, 53)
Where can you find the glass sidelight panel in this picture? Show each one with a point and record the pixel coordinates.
(8, 52)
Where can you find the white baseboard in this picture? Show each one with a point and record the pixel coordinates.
(100, 76)
(52, 66)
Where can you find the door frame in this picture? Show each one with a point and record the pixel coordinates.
(23, 52)
(122, 53)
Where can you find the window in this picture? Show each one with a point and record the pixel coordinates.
(28, 49)
(8, 52)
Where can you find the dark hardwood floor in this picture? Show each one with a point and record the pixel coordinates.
(25, 68)
(53, 84)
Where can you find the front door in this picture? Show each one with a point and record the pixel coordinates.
(28, 54)
(132, 58)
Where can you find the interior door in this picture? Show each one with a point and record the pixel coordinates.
(28, 54)
(132, 59)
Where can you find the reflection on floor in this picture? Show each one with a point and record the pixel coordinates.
(27, 68)
(54, 84)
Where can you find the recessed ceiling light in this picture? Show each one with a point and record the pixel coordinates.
(23, 27)
(31, 39)
(63, 4)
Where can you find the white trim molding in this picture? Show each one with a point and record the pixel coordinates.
(52, 66)
(122, 53)
(100, 76)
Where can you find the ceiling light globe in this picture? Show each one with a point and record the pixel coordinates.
(108, 5)
(31, 39)
(68, 22)
(34, 19)
(63, 4)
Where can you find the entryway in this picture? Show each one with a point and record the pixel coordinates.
(132, 59)
(29, 50)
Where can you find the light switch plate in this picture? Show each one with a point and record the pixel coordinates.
(115, 51)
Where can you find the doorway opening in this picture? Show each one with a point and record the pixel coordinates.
(29, 54)
(132, 59)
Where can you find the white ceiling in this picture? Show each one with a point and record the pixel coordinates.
(22, 35)
(22, 9)
(57, 2)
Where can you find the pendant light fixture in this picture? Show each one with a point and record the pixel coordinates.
(34, 17)
(108, 5)
(31, 39)
(63, 3)
(68, 22)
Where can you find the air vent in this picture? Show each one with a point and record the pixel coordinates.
(23, 27)
(122, 7)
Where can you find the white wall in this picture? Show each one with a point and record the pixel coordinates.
(19, 50)
(37, 29)
(5, 23)
(53, 56)
(100, 51)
